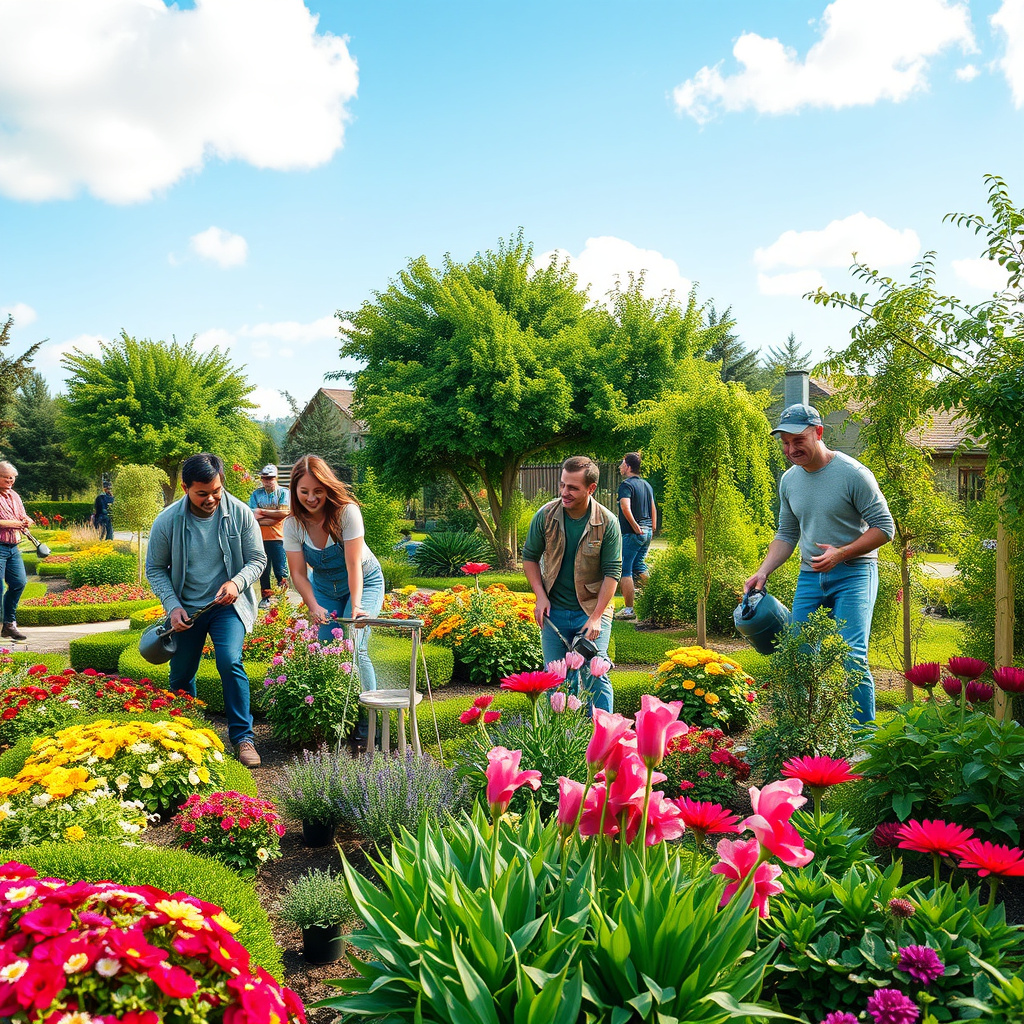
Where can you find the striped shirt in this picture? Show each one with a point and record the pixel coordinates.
(11, 508)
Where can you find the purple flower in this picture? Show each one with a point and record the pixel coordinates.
(313, 647)
(267, 682)
(921, 962)
(839, 1017)
(301, 624)
(890, 1006)
(282, 679)
(337, 632)
(309, 699)
(277, 660)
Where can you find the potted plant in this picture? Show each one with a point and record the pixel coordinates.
(317, 903)
(308, 791)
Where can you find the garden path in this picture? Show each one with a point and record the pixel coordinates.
(55, 639)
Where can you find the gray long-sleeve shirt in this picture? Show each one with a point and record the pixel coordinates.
(834, 505)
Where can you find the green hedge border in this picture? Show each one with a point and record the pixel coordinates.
(54, 662)
(57, 569)
(101, 651)
(69, 615)
(73, 511)
(172, 870)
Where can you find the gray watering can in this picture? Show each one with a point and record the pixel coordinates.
(42, 550)
(761, 618)
(159, 643)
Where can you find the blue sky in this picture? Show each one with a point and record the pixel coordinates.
(241, 169)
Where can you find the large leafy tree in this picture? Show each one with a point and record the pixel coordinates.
(473, 368)
(150, 403)
(37, 444)
(13, 373)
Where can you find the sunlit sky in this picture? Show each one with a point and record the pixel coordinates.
(239, 170)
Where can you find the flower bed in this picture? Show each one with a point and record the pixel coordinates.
(714, 690)
(238, 830)
(703, 765)
(90, 950)
(85, 604)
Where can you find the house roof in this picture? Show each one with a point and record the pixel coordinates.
(342, 399)
(948, 432)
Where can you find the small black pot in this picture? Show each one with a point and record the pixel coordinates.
(322, 945)
(316, 833)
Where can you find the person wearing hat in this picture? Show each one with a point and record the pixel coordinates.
(270, 506)
(832, 506)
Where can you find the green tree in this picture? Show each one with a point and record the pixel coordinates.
(138, 500)
(710, 438)
(319, 433)
(738, 363)
(151, 403)
(13, 373)
(472, 369)
(381, 514)
(789, 356)
(37, 444)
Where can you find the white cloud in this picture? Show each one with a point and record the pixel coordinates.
(607, 259)
(123, 97)
(324, 329)
(871, 239)
(869, 50)
(800, 282)
(968, 73)
(985, 275)
(216, 337)
(1010, 19)
(23, 314)
(269, 402)
(88, 344)
(220, 246)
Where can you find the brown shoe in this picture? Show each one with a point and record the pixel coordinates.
(248, 755)
(12, 632)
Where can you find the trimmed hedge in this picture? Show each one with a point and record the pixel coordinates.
(31, 560)
(238, 778)
(53, 568)
(513, 580)
(138, 620)
(391, 655)
(101, 651)
(72, 511)
(71, 614)
(169, 869)
(54, 662)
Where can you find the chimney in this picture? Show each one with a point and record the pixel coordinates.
(797, 388)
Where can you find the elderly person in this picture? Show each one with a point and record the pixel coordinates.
(13, 521)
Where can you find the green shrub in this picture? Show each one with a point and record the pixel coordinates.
(52, 569)
(396, 573)
(382, 512)
(32, 561)
(31, 590)
(70, 511)
(96, 570)
(54, 662)
(171, 870)
(101, 650)
(943, 596)
(71, 614)
(13, 759)
(238, 778)
(317, 899)
(444, 554)
(513, 580)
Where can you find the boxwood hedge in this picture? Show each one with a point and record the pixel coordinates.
(66, 615)
(169, 869)
(59, 569)
(72, 511)
(101, 650)
(54, 662)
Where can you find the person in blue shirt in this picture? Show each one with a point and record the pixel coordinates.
(101, 517)
(638, 519)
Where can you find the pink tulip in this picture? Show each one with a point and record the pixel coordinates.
(613, 762)
(557, 702)
(599, 667)
(573, 703)
(656, 727)
(626, 790)
(738, 858)
(574, 661)
(557, 668)
(608, 730)
(664, 820)
(504, 778)
(570, 798)
(773, 807)
(590, 822)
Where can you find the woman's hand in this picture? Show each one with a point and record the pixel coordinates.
(319, 615)
(359, 613)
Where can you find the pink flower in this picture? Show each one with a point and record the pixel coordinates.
(557, 668)
(470, 715)
(574, 661)
(703, 818)
(664, 820)
(277, 660)
(475, 568)
(608, 730)
(484, 701)
(819, 772)
(504, 778)
(558, 700)
(591, 820)
(773, 807)
(1009, 679)
(737, 858)
(890, 1006)
(490, 717)
(599, 666)
(935, 837)
(656, 726)
(968, 668)
(531, 683)
(925, 675)
(573, 703)
(979, 692)
(570, 798)
(992, 859)
(309, 699)
(922, 963)
(952, 685)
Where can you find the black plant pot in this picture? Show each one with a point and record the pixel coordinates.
(316, 833)
(322, 945)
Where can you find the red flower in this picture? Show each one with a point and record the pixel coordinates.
(1009, 679)
(939, 837)
(704, 818)
(886, 835)
(819, 772)
(952, 685)
(925, 675)
(38, 670)
(979, 692)
(470, 715)
(968, 668)
(483, 701)
(475, 568)
(530, 683)
(490, 717)
(992, 859)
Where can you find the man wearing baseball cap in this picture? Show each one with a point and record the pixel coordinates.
(832, 505)
(270, 505)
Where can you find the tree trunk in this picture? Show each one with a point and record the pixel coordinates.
(1004, 610)
(702, 597)
(908, 653)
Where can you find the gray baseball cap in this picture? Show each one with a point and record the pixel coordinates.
(269, 470)
(795, 419)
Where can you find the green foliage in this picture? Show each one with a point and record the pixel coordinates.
(238, 778)
(396, 573)
(944, 596)
(104, 567)
(643, 647)
(444, 554)
(836, 841)
(925, 763)
(170, 870)
(66, 615)
(839, 939)
(54, 662)
(319, 432)
(382, 512)
(790, 355)
(735, 361)
(69, 511)
(391, 654)
(13, 374)
(316, 899)
(807, 697)
(101, 651)
(148, 402)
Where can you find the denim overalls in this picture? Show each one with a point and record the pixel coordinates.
(329, 578)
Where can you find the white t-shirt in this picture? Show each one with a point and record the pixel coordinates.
(351, 528)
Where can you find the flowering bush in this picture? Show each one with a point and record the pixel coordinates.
(714, 690)
(84, 952)
(268, 635)
(108, 594)
(701, 765)
(159, 763)
(38, 704)
(312, 692)
(239, 830)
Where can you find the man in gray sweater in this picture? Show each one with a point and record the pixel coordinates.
(206, 548)
(833, 506)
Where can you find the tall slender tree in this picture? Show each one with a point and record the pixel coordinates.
(790, 355)
(13, 373)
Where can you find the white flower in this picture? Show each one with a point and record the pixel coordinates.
(146, 781)
(41, 799)
(142, 747)
(175, 755)
(261, 854)
(122, 781)
(14, 971)
(107, 966)
(66, 807)
(130, 827)
(193, 777)
(171, 734)
(218, 756)
(92, 759)
(154, 767)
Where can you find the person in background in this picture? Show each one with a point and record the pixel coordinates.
(13, 521)
(270, 506)
(331, 566)
(206, 548)
(638, 519)
(101, 517)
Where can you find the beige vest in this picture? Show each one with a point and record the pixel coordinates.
(588, 575)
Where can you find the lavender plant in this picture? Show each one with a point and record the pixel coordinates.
(310, 786)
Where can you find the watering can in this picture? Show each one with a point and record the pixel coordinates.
(159, 643)
(42, 550)
(761, 618)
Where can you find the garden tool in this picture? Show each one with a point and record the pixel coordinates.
(580, 644)
(761, 619)
(159, 643)
(42, 550)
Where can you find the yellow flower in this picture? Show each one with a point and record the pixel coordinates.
(688, 684)
(711, 698)
(699, 691)
(226, 923)
(714, 669)
(186, 914)
(74, 833)
(666, 666)
(146, 780)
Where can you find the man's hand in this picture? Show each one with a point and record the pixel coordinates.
(541, 609)
(592, 629)
(179, 620)
(829, 558)
(756, 582)
(228, 593)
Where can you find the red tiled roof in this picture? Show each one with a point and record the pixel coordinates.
(948, 431)
(341, 397)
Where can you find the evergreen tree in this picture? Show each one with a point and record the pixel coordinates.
(318, 433)
(789, 356)
(739, 363)
(13, 373)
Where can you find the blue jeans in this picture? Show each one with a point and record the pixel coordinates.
(634, 552)
(569, 623)
(849, 591)
(227, 632)
(334, 596)
(12, 573)
(276, 560)
(106, 524)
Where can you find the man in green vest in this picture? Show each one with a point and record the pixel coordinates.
(573, 559)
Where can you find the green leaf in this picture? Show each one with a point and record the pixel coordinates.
(902, 805)
(476, 993)
(746, 1010)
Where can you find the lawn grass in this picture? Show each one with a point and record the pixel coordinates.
(33, 590)
(939, 559)
(939, 640)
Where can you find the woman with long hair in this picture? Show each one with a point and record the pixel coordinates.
(330, 565)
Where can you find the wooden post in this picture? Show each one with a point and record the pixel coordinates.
(1004, 612)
